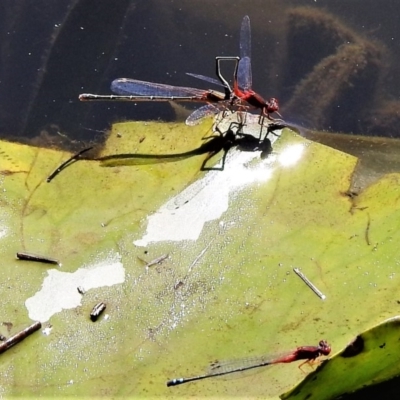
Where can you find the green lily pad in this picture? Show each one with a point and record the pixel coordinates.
(227, 288)
(370, 358)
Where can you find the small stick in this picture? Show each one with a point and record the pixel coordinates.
(178, 285)
(37, 258)
(97, 310)
(198, 258)
(13, 340)
(66, 163)
(309, 284)
(157, 260)
(367, 231)
(81, 290)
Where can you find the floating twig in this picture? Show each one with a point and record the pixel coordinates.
(367, 231)
(37, 258)
(157, 260)
(81, 290)
(13, 340)
(178, 284)
(198, 258)
(309, 284)
(97, 311)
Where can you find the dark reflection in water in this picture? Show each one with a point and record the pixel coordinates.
(332, 65)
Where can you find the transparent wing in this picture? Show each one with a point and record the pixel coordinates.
(206, 78)
(126, 86)
(205, 111)
(245, 38)
(244, 68)
(248, 363)
(244, 74)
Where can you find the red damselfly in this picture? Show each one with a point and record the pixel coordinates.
(242, 82)
(220, 368)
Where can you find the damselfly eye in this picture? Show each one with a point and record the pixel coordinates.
(325, 347)
(273, 105)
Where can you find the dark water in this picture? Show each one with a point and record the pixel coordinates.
(333, 65)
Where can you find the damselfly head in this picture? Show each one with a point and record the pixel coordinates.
(272, 105)
(324, 347)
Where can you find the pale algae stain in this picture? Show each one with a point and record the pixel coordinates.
(59, 290)
(208, 198)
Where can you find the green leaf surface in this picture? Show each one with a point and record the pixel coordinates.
(227, 291)
(371, 358)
